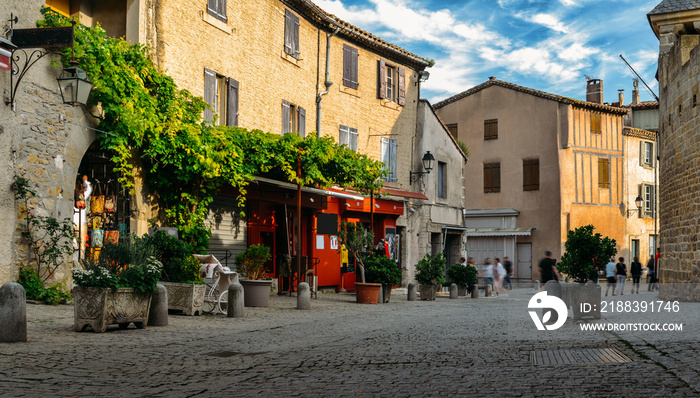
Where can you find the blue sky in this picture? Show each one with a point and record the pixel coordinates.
(548, 45)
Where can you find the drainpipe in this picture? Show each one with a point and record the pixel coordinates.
(326, 83)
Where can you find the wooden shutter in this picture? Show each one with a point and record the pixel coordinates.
(295, 36)
(496, 177)
(603, 173)
(217, 8)
(354, 68)
(286, 117)
(344, 135)
(392, 159)
(232, 102)
(209, 94)
(487, 178)
(402, 87)
(301, 117)
(642, 154)
(381, 79)
(288, 35)
(350, 56)
(352, 139)
(531, 175)
(385, 152)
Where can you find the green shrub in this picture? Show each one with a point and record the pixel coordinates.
(179, 265)
(36, 290)
(182, 270)
(251, 261)
(381, 269)
(430, 271)
(462, 275)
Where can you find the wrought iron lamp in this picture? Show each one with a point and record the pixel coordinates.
(74, 84)
(428, 160)
(638, 202)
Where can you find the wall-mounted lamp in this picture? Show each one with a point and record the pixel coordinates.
(638, 201)
(423, 76)
(428, 160)
(74, 84)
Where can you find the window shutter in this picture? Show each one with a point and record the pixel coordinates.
(527, 175)
(347, 62)
(209, 94)
(288, 27)
(642, 153)
(402, 87)
(343, 136)
(295, 36)
(353, 139)
(394, 174)
(302, 122)
(385, 152)
(652, 155)
(487, 178)
(497, 177)
(381, 76)
(286, 117)
(536, 175)
(232, 103)
(354, 79)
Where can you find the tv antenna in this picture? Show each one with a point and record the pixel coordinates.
(640, 78)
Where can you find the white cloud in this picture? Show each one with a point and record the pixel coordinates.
(568, 3)
(550, 21)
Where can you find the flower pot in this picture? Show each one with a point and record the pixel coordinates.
(256, 293)
(386, 292)
(367, 293)
(185, 297)
(427, 292)
(98, 308)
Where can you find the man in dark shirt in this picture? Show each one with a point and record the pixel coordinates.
(547, 268)
(508, 265)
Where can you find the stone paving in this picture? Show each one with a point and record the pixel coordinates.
(440, 348)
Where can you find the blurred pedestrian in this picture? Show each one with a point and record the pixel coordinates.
(508, 265)
(636, 271)
(621, 274)
(499, 273)
(487, 271)
(610, 276)
(548, 269)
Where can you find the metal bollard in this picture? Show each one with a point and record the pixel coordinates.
(13, 313)
(236, 301)
(412, 291)
(453, 291)
(304, 296)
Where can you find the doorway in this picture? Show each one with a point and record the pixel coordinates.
(524, 268)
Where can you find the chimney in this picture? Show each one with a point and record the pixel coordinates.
(621, 96)
(594, 91)
(635, 92)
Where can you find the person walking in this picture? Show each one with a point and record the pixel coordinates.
(610, 276)
(508, 265)
(621, 274)
(650, 272)
(471, 263)
(636, 271)
(487, 271)
(499, 273)
(463, 261)
(548, 269)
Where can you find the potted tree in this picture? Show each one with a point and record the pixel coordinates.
(181, 274)
(117, 287)
(357, 240)
(251, 264)
(462, 276)
(383, 270)
(429, 273)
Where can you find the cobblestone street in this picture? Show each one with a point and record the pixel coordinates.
(444, 348)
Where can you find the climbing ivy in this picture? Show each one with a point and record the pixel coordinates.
(157, 128)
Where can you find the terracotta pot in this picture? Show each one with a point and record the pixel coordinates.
(256, 293)
(98, 308)
(367, 293)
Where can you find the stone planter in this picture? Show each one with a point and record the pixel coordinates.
(367, 293)
(185, 297)
(256, 293)
(461, 290)
(98, 308)
(427, 292)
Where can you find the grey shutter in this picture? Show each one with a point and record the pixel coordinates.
(288, 27)
(350, 55)
(354, 67)
(402, 87)
(642, 153)
(392, 157)
(217, 8)
(381, 77)
(295, 37)
(344, 136)
(232, 103)
(352, 139)
(302, 122)
(286, 116)
(385, 151)
(209, 94)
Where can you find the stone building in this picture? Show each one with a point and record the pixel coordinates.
(541, 165)
(677, 25)
(284, 67)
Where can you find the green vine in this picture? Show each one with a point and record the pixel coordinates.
(158, 128)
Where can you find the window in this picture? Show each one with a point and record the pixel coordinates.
(491, 129)
(603, 173)
(695, 100)
(595, 124)
(492, 177)
(634, 249)
(652, 245)
(221, 93)
(452, 128)
(350, 57)
(646, 154)
(291, 34)
(293, 119)
(389, 158)
(531, 175)
(392, 83)
(348, 136)
(646, 191)
(217, 9)
(442, 180)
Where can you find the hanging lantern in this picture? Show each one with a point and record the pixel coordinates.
(75, 85)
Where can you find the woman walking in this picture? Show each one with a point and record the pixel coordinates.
(621, 273)
(636, 271)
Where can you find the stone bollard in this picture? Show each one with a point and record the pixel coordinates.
(236, 301)
(380, 297)
(13, 313)
(488, 291)
(475, 291)
(304, 297)
(453, 291)
(412, 291)
(158, 314)
(537, 285)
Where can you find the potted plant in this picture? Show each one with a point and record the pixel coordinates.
(357, 240)
(462, 276)
(117, 287)
(429, 273)
(383, 270)
(181, 274)
(251, 264)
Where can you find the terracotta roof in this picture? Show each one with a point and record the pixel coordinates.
(668, 6)
(639, 133)
(357, 35)
(643, 105)
(531, 91)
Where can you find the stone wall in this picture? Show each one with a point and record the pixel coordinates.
(679, 176)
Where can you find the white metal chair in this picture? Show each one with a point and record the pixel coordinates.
(217, 278)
